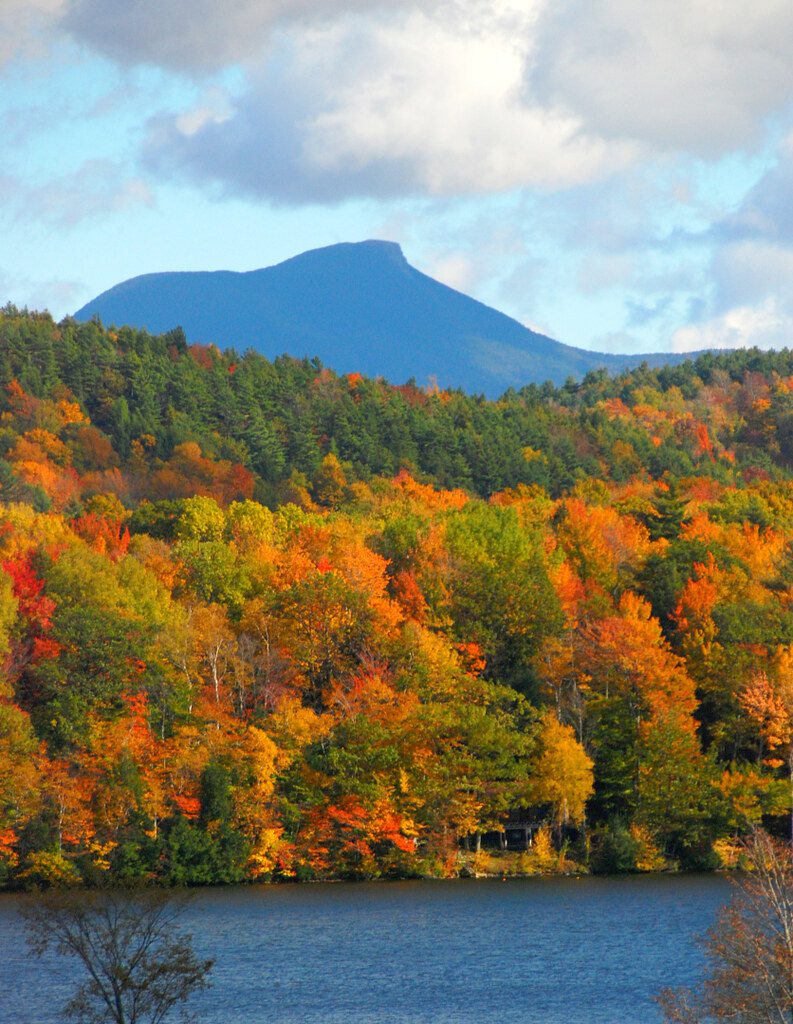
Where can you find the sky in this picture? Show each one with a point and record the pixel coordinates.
(617, 175)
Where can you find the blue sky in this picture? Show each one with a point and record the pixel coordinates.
(618, 175)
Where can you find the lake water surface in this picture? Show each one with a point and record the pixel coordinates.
(528, 951)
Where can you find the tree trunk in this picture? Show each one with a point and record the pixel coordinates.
(790, 779)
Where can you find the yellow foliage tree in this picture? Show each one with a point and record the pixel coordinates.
(562, 775)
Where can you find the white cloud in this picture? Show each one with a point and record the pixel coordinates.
(197, 35)
(58, 293)
(26, 27)
(766, 325)
(615, 341)
(750, 272)
(456, 270)
(388, 107)
(700, 76)
(599, 271)
(446, 97)
(750, 301)
(766, 211)
(213, 108)
(97, 188)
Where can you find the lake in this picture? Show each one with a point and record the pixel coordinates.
(534, 951)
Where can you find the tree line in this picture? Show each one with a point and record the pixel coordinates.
(261, 621)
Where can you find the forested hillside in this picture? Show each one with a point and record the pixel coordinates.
(261, 621)
(360, 307)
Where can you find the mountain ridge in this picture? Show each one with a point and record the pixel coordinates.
(358, 306)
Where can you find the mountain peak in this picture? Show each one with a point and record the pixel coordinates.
(379, 246)
(360, 307)
(371, 250)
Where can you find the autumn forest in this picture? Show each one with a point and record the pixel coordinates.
(259, 621)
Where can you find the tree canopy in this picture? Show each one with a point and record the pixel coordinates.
(258, 620)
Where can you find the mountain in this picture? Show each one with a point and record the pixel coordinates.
(358, 307)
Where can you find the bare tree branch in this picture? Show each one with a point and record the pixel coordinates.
(139, 965)
(749, 949)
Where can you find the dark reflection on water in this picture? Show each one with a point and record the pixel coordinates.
(534, 951)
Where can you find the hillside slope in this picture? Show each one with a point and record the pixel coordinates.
(358, 307)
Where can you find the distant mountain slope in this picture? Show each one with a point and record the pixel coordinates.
(359, 307)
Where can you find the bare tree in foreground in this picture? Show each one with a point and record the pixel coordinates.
(139, 965)
(749, 949)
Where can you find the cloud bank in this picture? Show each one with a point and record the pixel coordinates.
(368, 97)
(700, 76)
(448, 98)
(196, 36)
(397, 107)
(611, 115)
